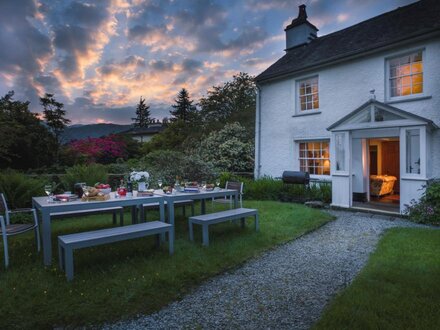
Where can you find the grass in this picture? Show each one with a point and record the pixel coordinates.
(121, 280)
(398, 289)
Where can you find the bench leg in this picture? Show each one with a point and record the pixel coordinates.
(171, 241)
(61, 256)
(205, 234)
(191, 232)
(192, 209)
(158, 240)
(121, 217)
(142, 214)
(257, 225)
(243, 222)
(114, 218)
(68, 255)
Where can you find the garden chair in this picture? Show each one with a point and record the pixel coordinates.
(228, 200)
(8, 229)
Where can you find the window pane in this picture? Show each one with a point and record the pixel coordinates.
(340, 151)
(413, 151)
(314, 157)
(405, 72)
(309, 94)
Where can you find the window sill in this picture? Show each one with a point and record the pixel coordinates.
(314, 112)
(414, 178)
(409, 99)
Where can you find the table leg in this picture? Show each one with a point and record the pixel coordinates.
(203, 206)
(170, 204)
(47, 238)
(162, 217)
(236, 200)
(133, 214)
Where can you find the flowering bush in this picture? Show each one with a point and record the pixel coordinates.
(427, 209)
(139, 176)
(100, 150)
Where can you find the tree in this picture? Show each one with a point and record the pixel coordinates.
(234, 101)
(183, 108)
(24, 141)
(230, 149)
(54, 115)
(143, 115)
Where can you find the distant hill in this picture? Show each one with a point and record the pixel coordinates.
(77, 132)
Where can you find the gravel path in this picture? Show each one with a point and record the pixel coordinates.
(286, 288)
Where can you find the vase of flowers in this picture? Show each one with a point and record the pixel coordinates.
(141, 178)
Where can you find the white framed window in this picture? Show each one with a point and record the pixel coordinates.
(340, 151)
(413, 151)
(405, 75)
(308, 94)
(314, 157)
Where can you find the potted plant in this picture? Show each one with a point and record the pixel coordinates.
(141, 178)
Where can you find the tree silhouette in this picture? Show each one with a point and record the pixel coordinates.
(183, 108)
(142, 115)
(54, 114)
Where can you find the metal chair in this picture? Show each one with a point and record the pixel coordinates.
(8, 229)
(228, 200)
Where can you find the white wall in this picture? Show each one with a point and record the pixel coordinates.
(342, 89)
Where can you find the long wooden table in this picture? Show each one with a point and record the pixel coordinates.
(45, 208)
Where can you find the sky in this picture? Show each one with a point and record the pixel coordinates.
(99, 57)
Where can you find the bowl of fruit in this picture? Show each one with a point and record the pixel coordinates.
(104, 188)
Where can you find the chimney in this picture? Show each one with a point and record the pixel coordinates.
(300, 31)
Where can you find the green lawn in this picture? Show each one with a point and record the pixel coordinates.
(120, 280)
(398, 289)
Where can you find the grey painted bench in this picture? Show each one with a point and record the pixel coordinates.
(68, 243)
(212, 218)
(113, 210)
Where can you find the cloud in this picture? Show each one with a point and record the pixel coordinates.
(25, 50)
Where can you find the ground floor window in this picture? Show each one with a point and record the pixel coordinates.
(314, 157)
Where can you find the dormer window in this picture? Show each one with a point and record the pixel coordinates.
(308, 94)
(406, 75)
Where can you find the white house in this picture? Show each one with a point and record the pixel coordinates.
(359, 107)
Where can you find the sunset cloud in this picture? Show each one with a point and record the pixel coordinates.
(99, 57)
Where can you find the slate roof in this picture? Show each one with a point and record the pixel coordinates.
(403, 23)
(153, 129)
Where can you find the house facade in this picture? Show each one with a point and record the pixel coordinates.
(359, 107)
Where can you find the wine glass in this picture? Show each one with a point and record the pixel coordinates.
(159, 183)
(204, 185)
(48, 191)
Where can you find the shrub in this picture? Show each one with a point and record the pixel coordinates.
(101, 150)
(167, 164)
(90, 174)
(20, 188)
(427, 209)
(268, 188)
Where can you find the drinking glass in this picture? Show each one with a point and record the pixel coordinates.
(48, 191)
(159, 183)
(204, 185)
(217, 183)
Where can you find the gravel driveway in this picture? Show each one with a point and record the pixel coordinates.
(286, 288)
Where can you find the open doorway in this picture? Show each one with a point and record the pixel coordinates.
(384, 173)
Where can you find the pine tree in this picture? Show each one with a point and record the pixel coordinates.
(142, 115)
(54, 114)
(183, 108)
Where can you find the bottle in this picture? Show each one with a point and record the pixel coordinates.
(129, 188)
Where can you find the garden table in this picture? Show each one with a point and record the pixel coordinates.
(202, 195)
(44, 207)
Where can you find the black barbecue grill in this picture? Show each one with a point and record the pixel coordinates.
(296, 177)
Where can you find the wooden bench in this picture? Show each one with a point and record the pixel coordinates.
(152, 206)
(208, 219)
(114, 210)
(68, 243)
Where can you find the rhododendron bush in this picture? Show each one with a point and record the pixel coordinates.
(103, 150)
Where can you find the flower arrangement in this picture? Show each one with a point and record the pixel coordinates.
(139, 176)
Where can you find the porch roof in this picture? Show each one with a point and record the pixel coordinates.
(405, 116)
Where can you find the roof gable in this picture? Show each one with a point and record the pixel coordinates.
(375, 114)
(416, 20)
